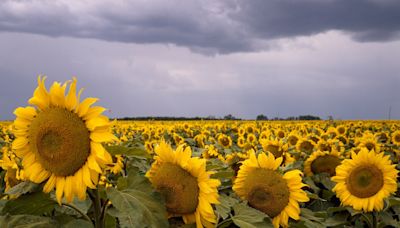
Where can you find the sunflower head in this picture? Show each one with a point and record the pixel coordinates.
(396, 138)
(59, 139)
(186, 185)
(267, 190)
(273, 146)
(305, 145)
(225, 140)
(292, 139)
(365, 180)
(322, 162)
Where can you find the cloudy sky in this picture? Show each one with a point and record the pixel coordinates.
(212, 57)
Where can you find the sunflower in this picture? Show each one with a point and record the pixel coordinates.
(305, 145)
(280, 133)
(264, 135)
(225, 140)
(341, 129)
(396, 138)
(382, 137)
(241, 131)
(365, 180)
(148, 145)
(276, 147)
(259, 182)
(186, 185)
(322, 162)
(14, 175)
(241, 141)
(371, 143)
(210, 152)
(59, 140)
(292, 139)
(251, 139)
(178, 139)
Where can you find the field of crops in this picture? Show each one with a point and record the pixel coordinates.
(64, 164)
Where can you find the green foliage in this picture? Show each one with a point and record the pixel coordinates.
(22, 188)
(248, 217)
(224, 209)
(138, 151)
(136, 204)
(26, 221)
(37, 203)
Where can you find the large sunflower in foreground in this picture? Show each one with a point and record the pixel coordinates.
(365, 180)
(59, 140)
(267, 190)
(186, 185)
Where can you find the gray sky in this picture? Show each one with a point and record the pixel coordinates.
(199, 58)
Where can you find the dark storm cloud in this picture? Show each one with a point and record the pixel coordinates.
(366, 20)
(203, 26)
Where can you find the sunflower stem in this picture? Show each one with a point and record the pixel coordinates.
(370, 224)
(374, 220)
(97, 209)
(103, 212)
(78, 210)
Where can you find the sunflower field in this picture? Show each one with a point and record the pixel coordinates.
(65, 164)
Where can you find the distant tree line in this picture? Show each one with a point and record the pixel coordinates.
(227, 117)
(301, 117)
(173, 118)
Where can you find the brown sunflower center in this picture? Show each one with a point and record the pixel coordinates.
(251, 138)
(224, 141)
(324, 146)
(293, 140)
(341, 130)
(267, 191)
(370, 145)
(397, 138)
(325, 164)
(179, 188)
(60, 140)
(306, 146)
(241, 141)
(274, 149)
(365, 181)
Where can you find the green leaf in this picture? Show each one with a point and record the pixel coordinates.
(223, 174)
(310, 182)
(248, 217)
(392, 202)
(33, 204)
(26, 221)
(82, 205)
(134, 181)
(138, 205)
(22, 188)
(387, 220)
(333, 210)
(110, 221)
(226, 203)
(190, 142)
(314, 196)
(141, 165)
(310, 215)
(78, 223)
(336, 220)
(137, 151)
(116, 149)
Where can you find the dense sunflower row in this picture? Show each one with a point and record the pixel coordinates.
(207, 173)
